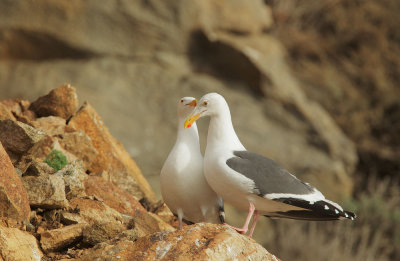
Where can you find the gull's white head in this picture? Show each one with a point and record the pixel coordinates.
(186, 106)
(210, 104)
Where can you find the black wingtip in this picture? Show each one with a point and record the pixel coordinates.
(349, 215)
(321, 210)
(222, 215)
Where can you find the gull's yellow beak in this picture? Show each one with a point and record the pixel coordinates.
(192, 103)
(190, 120)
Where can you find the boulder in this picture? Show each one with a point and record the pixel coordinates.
(94, 212)
(5, 113)
(46, 191)
(80, 145)
(74, 178)
(61, 102)
(18, 245)
(197, 242)
(125, 203)
(112, 195)
(61, 238)
(52, 125)
(68, 218)
(98, 233)
(13, 197)
(38, 169)
(149, 223)
(18, 137)
(112, 156)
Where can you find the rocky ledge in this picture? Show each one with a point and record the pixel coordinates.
(69, 190)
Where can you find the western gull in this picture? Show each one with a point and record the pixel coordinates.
(183, 185)
(250, 181)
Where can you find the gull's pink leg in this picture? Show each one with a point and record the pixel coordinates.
(180, 223)
(253, 225)
(245, 227)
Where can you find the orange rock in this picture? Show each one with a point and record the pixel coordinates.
(61, 102)
(79, 144)
(112, 195)
(13, 106)
(14, 200)
(125, 203)
(52, 125)
(18, 245)
(201, 241)
(165, 214)
(18, 137)
(5, 113)
(56, 239)
(94, 211)
(46, 191)
(112, 155)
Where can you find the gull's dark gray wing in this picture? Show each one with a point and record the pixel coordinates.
(271, 179)
(267, 175)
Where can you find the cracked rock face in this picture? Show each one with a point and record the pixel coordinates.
(13, 197)
(196, 242)
(92, 206)
(61, 102)
(46, 191)
(18, 245)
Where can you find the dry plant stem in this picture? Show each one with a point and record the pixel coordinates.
(245, 227)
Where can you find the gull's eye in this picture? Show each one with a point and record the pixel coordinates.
(182, 101)
(205, 103)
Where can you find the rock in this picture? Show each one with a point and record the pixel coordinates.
(80, 144)
(74, 177)
(13, 106)
(5, 113)
(197, 242)
(46, 191)
(98, 233)
(18, 245)
(38, 169)
(240, 17)
(94, 211)
(13, 197)
(165, 213)
(112, 155)
(61, 238)
(39, 152)
(61, 102)
(125, 203)
(113, 196)
(18, 137)
(149, 223)
(52, 125)
(68, 218)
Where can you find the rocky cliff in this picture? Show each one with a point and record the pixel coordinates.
(70, 191)
(134, 59)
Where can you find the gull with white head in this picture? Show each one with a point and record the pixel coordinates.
(183, 185)
(250, 181)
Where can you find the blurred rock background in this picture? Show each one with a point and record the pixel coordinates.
(313, 85)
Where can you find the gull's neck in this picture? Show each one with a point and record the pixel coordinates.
(189, 136)
(221, 133)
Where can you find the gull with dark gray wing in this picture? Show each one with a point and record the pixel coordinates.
(251, 181)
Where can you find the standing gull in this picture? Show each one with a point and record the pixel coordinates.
(183, 185)
(250, 181)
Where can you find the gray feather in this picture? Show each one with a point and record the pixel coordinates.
(268, 176)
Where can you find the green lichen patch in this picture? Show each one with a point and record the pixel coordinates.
(56, 160)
